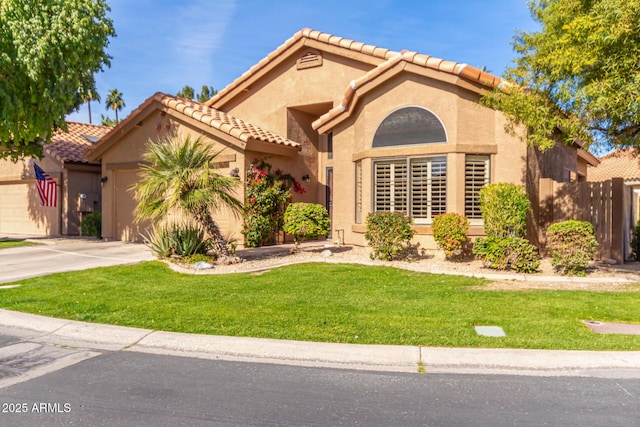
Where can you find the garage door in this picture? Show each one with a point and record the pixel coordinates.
(21, 213)
(126, 229)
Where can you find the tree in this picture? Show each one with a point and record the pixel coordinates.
(206, 93)
(107, 121)
(186, 92)
(88, 97)
(576, 78)
(115, 102)
(49, 52)
(181, 175)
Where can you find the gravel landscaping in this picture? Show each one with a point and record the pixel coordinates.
(600, 277)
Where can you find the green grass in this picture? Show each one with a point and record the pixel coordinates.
(332, 303)
(5, 244)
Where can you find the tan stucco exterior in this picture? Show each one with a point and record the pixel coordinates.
(20, 210)
(316, 88)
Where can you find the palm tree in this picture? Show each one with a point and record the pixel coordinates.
(115, 102)
(88, 97)
(181, 174)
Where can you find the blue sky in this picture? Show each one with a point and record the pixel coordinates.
(162, 45)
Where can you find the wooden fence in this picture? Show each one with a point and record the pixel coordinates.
(606, 205)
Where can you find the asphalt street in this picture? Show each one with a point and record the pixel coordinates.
(134, 389)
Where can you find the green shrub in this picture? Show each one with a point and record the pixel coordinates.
(306, 221)
(635, 242)
(388, 234)
(267, 196)
(92, 225)
(504, 210)
(505, 253)
(180, 239)
(450, 231)
(572, 245)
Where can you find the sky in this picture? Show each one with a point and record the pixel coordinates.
(163, 45)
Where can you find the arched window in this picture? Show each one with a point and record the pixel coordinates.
(409, 126)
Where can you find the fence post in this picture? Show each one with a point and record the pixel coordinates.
(617, 220)
(546, 196)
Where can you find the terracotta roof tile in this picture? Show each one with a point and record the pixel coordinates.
(71, 145)
(623, 163)
(208, 116)
(310, 34)
(456, 68)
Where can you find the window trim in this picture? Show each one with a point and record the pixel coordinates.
(486, 159)
(409, 179)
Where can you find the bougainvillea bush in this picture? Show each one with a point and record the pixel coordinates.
(267, 196)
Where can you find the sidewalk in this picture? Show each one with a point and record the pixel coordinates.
(410, 359)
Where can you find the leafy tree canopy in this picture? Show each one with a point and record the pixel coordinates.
(49, 52)
(578, 77)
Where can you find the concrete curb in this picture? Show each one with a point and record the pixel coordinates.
(607, 364)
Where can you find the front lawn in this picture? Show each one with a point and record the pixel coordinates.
(329, 302)
(5, 244)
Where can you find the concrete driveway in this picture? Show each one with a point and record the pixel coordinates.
(67, 255)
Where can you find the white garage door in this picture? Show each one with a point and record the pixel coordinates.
(21, 213)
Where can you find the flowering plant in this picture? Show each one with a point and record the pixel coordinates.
(267, 196)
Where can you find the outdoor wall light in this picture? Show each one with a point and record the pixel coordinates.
(306, 178)
(235, 172)
(103, 179)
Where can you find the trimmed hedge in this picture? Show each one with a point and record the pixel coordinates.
(451, 231)
(306, 221)
(505, 253)
(504, 210)
(572, 245)
(388, 234)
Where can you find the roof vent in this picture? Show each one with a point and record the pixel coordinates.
(310, 59)
(92, 139)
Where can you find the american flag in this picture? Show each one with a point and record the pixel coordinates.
(46, 187)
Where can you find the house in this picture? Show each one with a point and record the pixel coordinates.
(78, 183)
(622, 163)
(368, 128)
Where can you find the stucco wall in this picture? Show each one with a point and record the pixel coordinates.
(265, 102)
(470, 128)
(121, 163)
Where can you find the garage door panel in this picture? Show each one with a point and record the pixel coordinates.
(126, 229)
(21, 213)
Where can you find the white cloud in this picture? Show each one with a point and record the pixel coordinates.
(194, 41)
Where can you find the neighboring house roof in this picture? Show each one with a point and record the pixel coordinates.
(71, 146)
(206, 116)
(623, 163)
(376, 56)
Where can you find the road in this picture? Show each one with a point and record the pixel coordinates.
(135, 389)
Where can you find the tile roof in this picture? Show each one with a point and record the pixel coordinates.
(222, 121)
(463, 70)
(623, 163)
(428, 62)
(208, 116)
(72, 145)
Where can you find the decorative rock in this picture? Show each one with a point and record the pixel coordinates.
(326, 253)
(202, 265)
(611, 261)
